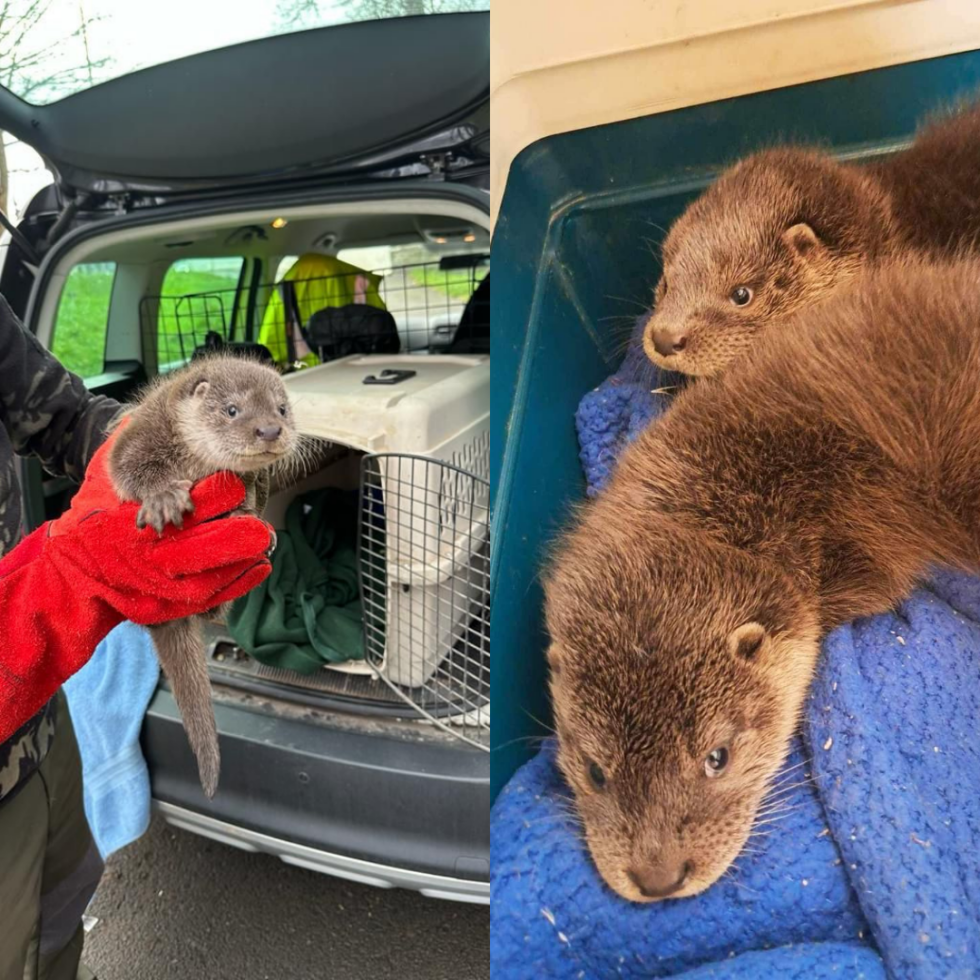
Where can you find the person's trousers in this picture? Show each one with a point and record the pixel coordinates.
(49, 867)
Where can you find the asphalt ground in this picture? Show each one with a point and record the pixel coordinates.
(175, 905)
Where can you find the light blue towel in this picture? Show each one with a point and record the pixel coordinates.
(107, 700)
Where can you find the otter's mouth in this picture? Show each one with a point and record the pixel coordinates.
(692, 882)
(688, 887)
(693, 872)
(261, 458)
(674, 362)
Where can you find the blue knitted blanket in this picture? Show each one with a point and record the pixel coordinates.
(874, 870)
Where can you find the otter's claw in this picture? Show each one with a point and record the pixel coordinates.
(166, 507)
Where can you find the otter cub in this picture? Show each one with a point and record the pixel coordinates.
(764, 508)
(780, 229)
(218, 414)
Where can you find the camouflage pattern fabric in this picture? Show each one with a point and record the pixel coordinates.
(26, 750)
(49, 866)
(48, 413)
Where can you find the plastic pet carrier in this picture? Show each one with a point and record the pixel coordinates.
(584, 211)
(422, 426)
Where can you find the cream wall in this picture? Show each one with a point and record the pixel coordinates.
(561, 65)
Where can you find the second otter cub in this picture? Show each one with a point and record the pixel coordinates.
(780, 230)
(218, 414)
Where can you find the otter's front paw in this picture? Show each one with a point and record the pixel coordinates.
(166, 507)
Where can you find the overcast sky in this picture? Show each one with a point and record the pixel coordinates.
(135, 34)
(138, 33)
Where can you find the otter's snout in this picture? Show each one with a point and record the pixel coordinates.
(269, 433)
(661, 879)
(668, 342)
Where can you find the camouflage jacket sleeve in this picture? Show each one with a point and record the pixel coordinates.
(47, 411)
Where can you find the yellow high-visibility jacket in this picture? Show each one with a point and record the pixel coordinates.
(319, 281)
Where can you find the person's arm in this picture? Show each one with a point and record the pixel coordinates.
(47, 411)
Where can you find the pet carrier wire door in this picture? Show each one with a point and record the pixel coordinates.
(424, 572)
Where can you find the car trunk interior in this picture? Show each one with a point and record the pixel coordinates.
(159, 292)
(355, 684)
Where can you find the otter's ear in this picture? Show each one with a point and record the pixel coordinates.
(201, 389)
(801, 240)
(747, 641)
(554, 661)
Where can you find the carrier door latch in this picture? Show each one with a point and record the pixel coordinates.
(389, 376)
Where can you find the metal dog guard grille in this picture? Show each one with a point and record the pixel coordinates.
(425, 300)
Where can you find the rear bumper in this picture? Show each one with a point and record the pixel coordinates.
(339, 865)
(385, 803)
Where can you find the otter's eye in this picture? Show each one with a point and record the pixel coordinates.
(232, 411)
(282, 410)
(715, 761)
(741, 296)
(597, 776)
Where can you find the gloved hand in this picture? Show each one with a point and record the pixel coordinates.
(66, 585)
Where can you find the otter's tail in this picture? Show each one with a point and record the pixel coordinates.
(180, 649)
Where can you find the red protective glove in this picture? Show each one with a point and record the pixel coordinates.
(66, 585)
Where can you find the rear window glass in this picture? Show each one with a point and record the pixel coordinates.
(198, 296)
(83, 318)
(409, 269)
(285, 264)
(188, 276)
(49, 50)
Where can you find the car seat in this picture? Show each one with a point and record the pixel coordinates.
(473, 333)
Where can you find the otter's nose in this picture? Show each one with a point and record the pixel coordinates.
(269, 433)
(661, 880)
(666, 342)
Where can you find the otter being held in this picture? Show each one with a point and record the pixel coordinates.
(779, 230)
(767, 506)
(218, 414)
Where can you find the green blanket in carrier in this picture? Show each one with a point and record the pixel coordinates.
(307, 613)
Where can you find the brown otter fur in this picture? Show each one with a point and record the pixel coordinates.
(768, 505)
(784, 226)
(218, 414)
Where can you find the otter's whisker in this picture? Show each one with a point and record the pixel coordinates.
(634, 302)
(538, 721)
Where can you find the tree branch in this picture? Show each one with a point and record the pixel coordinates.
(23, 61)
